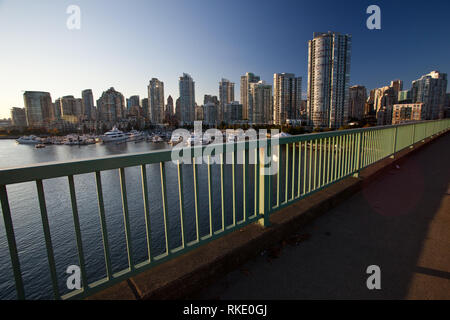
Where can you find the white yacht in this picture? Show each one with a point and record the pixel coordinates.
(114, 135)
(28, 140)
(135, 135)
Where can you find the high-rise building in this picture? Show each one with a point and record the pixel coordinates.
(407, 112)
(260, 107)
(156, 101)
(233, 112)
(245, 83)
(111, 105)
(384, 101)
(70, 108)
(405, 96)
(38, 108)
(357, 100)
(88, 103)
(178, 109)
(397, 85)
(144, 104)
(18, 117)
(226, 95)
(133, 101)
(328, 79)
(187, 99)
(431, 90)
(210, 113)
(209, 98)
(169, 107)
(287, 94)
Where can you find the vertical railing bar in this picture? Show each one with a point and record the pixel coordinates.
(324, 167)
(146, 211)
(76, 222)
(356, 151)
(348, 153)
(222, 187)
(339, 165)
(233, 168)
(310, 166)
(210, 199)
(257, 174)
(374, 142)
(315, 164)
(162, 167)
(12, 246)
(245, 177)
(352, 154)
(286, 180)
(380, 146)
(268, 182)
(278, 175)
(305, 160)
(293, 172)
(339, 159)
(366, 148)
(342, 166)
(299, 169)
(344, 151)
(126, 218)
(333, 161)
(196, 197)
(328, 160)
(101, 210)
(48, 239)
(376, 145)
(181, 201)
(320, 169)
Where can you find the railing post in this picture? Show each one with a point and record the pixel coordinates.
(358, 155)
(9, 229)
(413, 136)
(394, 143)
(264, 183)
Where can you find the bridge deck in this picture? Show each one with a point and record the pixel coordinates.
(400, 222)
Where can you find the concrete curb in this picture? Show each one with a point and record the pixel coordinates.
(184, 276)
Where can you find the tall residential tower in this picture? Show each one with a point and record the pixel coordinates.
(226, 95)
(156, 101)
(287, 94)
(328, 79)
(187, 99)
(245, 83)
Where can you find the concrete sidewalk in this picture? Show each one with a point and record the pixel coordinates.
(400, 222)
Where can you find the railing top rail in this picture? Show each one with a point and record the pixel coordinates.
(49, 170)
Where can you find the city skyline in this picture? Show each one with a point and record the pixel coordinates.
(41, 69)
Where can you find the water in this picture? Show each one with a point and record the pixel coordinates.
(28, 227)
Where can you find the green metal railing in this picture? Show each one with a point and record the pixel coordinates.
(317, 161)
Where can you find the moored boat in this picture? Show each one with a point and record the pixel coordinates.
(28, 140)
(114, 135)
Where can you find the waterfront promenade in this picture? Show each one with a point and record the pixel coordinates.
(400, 222)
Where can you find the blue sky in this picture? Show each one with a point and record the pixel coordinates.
(124, 44)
